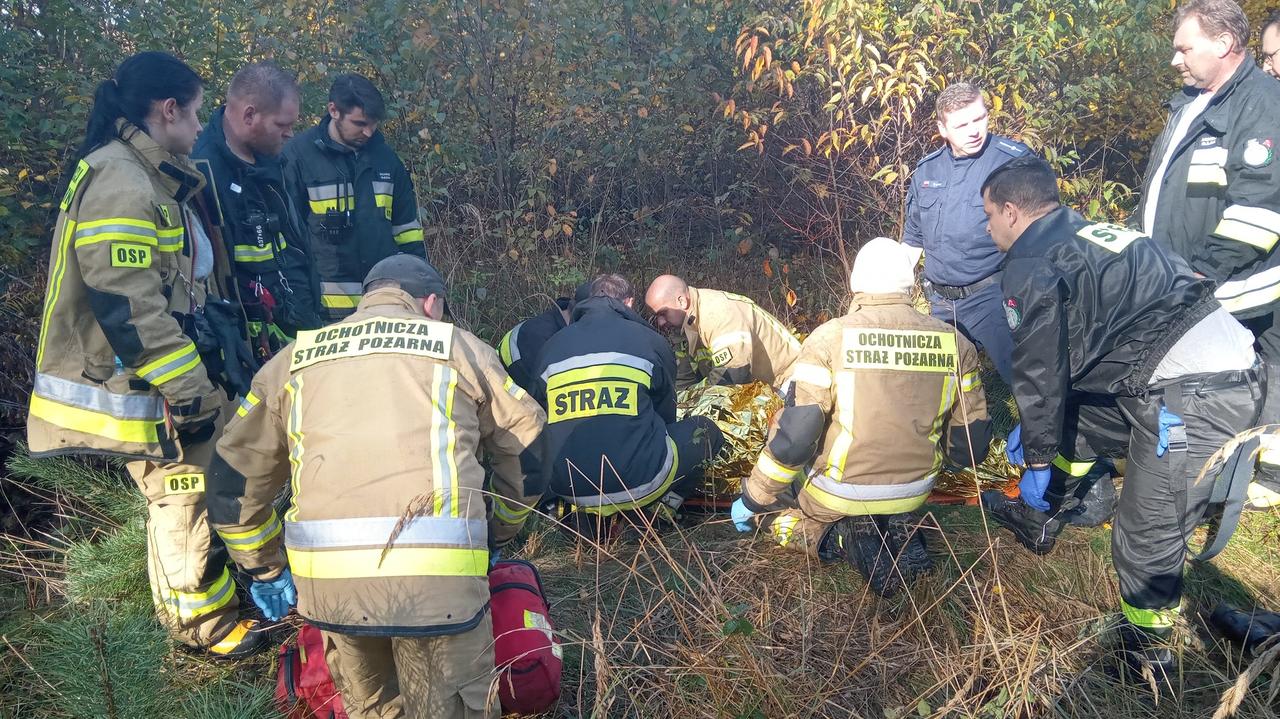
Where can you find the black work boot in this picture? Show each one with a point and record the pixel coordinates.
(1033, 529)
(1096, 507)
(245, 639)
(869, 549)
(1148, 657)
(1250, 630)
(913, 555)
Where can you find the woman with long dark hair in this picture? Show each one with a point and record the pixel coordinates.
(119, 368)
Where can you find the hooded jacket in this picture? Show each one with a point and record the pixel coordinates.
(731, 340)
(608, 383)
(1219, 200)
(264, 233)
(116, 356)
(1093, 308)
(358, 207)
(894, 388)
(377, 421)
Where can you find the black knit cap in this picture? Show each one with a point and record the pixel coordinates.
(415, 275)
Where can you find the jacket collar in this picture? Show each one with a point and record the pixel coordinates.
(389, 298)
(867, 299)
(604, 306)
(691, 314)
(1216, 116)
(1037, 233)
(176, 175)
(324, 142)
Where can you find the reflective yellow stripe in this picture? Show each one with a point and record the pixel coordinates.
(844, 405)
(504, 349)
(970, 381)
(409, 236)
(293, 427)
(1261, 496)
(170, 239)
(56, 274)
(340, 301)
(384, 202)
(1075, 469)
(249, 402)
(513, 389)
(444, 465)
(508, 514)
(98, 424)
(319, 207)
(255, 538)
(947, 400)
(608, 510)
(171, 365)
(783, 527)
(253, 253)
(233, 638)
(1150, 618)
(1249, 234)
(116, 228)
(189, 605)
(600, 371)
(775, 470)
(398, 562)
(855, 507)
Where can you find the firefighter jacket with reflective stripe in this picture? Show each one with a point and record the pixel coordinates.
(377, 422)
(608, 383)
(1093, 308)
(1219, 200)
(732, 340)
(520, 347)
(896, 386)
(262, 229)
(358, 207)
(116, 349)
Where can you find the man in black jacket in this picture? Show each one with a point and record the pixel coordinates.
(520, 347)
(612, 442)
(353, 193)
(239, 154)
(1119, 350)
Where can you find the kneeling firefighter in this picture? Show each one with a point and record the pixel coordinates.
(387, 537)
(139, 346)
(879, 394)
(1119, 350)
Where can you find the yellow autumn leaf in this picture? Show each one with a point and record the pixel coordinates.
(791, 297)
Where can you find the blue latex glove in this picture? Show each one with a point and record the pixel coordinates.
(1168, 420)
(741, 516)
(1013, 448)
(1033, 484)
(494, 557)
(276, 596)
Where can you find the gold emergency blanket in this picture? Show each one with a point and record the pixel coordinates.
(742, 413)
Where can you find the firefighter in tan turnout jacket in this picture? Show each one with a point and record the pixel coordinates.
(879, 394)
(133, 277)
(377, 421)
(730, 339)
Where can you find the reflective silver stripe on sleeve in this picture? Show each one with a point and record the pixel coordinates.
(341, 288)
(872, 492)
(634, 494)
(97, 399)
(329, 192)
(383, 188)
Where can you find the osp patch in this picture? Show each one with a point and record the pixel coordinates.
(1258, 152)
(1012, 313)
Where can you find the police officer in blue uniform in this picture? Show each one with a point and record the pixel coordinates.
(945, 220)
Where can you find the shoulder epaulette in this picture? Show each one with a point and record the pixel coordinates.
(1011, 147)
(931, 155)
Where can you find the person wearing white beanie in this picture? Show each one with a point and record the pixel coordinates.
(843, 470)
(882, 266)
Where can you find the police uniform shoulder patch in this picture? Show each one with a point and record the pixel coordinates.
(1258, 152)
(931, 155)
(1012, 148)
(1012, 313)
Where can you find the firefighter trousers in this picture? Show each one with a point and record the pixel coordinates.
(439, 677)
(1161, 501)
(191, 584)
